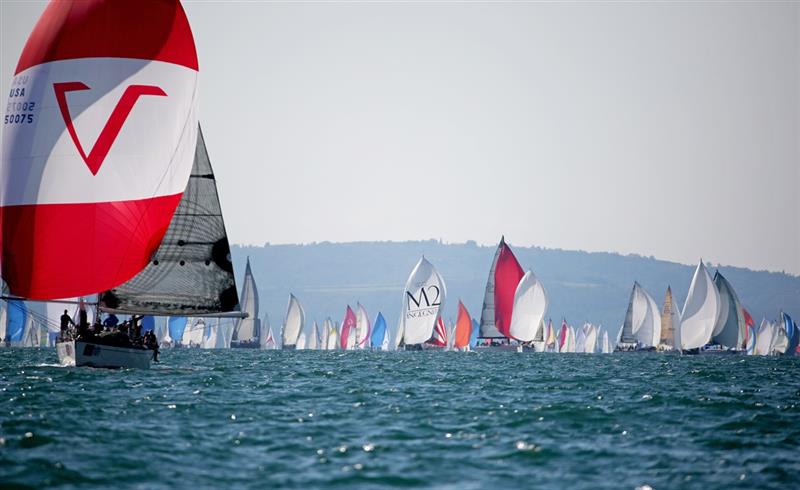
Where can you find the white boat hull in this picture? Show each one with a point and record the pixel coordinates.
(80, 353)
(495, 348)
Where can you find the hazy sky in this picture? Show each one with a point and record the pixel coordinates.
(661, 129)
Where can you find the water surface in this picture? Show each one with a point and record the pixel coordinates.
(257, 419)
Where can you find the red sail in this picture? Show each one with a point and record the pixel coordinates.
(507, 275)
(463, 327)
(100, 144)
(348, 323)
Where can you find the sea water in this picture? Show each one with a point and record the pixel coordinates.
(305, 419)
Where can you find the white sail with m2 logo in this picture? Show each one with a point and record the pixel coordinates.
(423, 298)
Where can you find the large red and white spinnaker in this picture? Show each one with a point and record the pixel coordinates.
(98, 143)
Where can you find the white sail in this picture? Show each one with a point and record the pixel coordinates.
(300, 344)
(580, 340)
(642, 320)
(295, 321)
(351, 339)
(606, 349)
(730, 328)
(193, 335)
(530, 306)
(265, 338)
(649, 335)
(333, 335)
(571, 347)
(764, 339)
(396, 333)
(313, 337)
(247, 329)
(362, 327)
(3, 321)
(590, 338)
(700, 311)
(423, 297)
(210, 336)
(780, 341)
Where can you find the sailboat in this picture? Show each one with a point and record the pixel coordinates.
(642, 327)
(379, 340)
(293, 324)
(700, 311)
(463, 329)
(498, 301)
(246, 331)
(529, 308)
(312, 340)
(590, 344)
(423, 297)
(349, 324)
(439, 340)
(792, 334)
(194, 333)
(670, 324)
(363, 328)
(332, 335)
(729, 330)
(135, 193)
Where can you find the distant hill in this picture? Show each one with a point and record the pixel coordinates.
(582, 286)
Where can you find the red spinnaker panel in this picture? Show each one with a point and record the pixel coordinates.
(463, 327)
(348, 323)
(98, 142)
(507, 275)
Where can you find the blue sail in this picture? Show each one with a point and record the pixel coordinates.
(148, 323)
(176, 326)
(378, 331)
(15, 321)
(791, 333)
(473, 336)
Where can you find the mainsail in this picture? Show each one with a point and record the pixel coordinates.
(191, 272)
(488, 328)
(529, 308)
(293, 325)
(423, 298)
(670, 322)
(100, 135)
(700, 311)
(249, 328)
(642, 324)
(730, 329)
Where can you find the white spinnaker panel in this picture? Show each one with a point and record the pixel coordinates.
(311, 340)
(265, 333)
(763, 339)
(730, 328)
(362, 327)
(194, 332)
(590, 338)
(780, 342)
(295, 320)
(300, 344)
(649, 332)
(423, 298)
(530, 306)
(700, 311)
(676, 325)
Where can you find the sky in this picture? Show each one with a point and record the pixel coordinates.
(662, 129)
